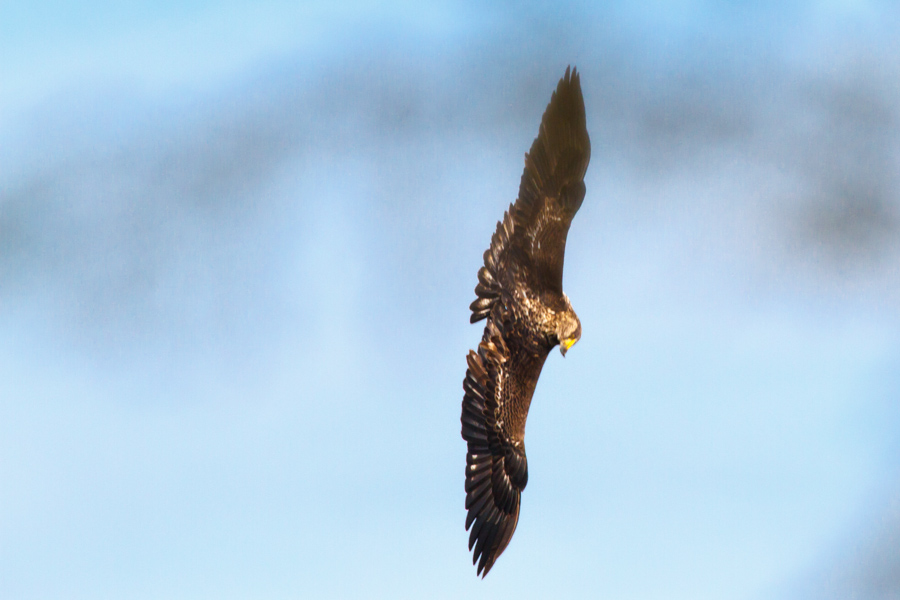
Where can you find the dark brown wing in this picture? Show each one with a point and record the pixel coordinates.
(499, 384)
(531, 239)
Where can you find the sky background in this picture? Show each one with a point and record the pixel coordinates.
(237, 246)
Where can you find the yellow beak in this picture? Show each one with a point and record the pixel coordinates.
(566, 344)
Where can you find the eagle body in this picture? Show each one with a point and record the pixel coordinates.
(520, 296)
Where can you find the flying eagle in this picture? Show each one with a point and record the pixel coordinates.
(520, 294)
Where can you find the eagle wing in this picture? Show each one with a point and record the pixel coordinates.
(498, 388)
(529, 245)
(527, 249)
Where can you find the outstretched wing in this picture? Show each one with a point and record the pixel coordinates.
(531, 239)
(552, 186)
(498, 388)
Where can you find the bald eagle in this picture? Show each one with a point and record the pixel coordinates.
(520, 294)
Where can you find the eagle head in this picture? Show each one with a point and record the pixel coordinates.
(568, 330)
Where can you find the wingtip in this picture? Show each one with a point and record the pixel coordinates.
(571, 78)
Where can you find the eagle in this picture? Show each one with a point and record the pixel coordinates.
(519, 294)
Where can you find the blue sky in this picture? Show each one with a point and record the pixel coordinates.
(237, 247)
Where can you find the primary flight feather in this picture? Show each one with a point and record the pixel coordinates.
(520, 294)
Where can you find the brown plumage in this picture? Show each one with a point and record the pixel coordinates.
(520, 294)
